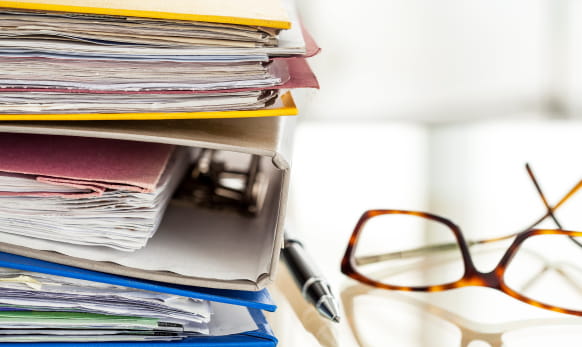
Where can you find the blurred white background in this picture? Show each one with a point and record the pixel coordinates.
(445, 60)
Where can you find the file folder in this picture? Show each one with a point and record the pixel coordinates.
(267, 13)
(284, 106)
(215, 248)
(253, 301)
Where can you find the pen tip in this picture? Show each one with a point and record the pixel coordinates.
(329, 309)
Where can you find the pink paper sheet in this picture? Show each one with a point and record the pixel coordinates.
(90, 164)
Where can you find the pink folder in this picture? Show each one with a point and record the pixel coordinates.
(92, 165)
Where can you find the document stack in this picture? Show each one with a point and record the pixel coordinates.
(149, 59)
(131, 212)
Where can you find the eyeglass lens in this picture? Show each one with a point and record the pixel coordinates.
(407, 250)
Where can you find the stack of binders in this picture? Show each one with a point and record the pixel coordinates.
(132, 212)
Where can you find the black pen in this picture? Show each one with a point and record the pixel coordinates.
(313, 286)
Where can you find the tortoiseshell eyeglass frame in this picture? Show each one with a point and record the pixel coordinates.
(471, 276)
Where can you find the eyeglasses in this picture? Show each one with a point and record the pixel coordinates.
(423, 252)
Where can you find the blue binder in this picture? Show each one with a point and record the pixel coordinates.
(255, 301)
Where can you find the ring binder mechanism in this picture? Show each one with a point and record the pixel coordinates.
(212, 184)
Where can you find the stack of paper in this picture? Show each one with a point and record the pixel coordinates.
(47, 302)
(165, 58)
(124, 30)
(41, 307)
(86, 191)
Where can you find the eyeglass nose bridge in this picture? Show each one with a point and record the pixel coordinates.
(494, 278)
(474, 277)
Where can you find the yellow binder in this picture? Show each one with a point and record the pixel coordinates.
(285, 106)
(267, 13)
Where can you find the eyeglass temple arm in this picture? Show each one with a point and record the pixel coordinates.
(550, 210)
(376, 258)
(409, 253)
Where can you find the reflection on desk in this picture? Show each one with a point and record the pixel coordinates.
(297, 323)
(409, 319)
(286, 325)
